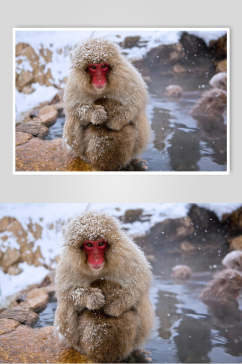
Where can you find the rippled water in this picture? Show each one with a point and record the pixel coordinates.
(178, 142)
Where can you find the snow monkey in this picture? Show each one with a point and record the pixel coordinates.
(102, 287)
(105, 100)
(222, 292)
(233, 260)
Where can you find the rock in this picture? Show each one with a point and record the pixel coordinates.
(23, 79)
(218, 47)
(37, 299)
(28, 90)
(233, 221)
(48, 280)
(193, 46)
(35, 229)
(181, 272)
(132, 215)
(20, 314)
(46, 54)
(130, 42)
(187, 247)
(221, 66)
(14, 270)
(7, 325)
(219, 81)
(48, 115)
(47, 155)
(22, 138)
(164, 55)
(236, 243)
(35, 128)
(211, 106)
(27, 345)
(20, 47)
(10, 256)
(203, 219)
(57, 98)
(174, 91)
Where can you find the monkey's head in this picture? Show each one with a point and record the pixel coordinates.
(227, 282)
(91, 237)
(233, 260)
(96, 60)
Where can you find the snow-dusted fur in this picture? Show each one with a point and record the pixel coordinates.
(107, 128)
(233, 260)
(106, 314)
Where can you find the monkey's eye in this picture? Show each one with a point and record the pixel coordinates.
(88, 244)
(92, 67)
(101, 243)
(105, 67)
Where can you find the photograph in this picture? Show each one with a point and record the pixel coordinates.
(118, 100)
(130, 283)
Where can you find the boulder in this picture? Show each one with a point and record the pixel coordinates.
(21, 314)
(47, 155)
(132, 215)
(27, 345)
(10, 257)
(233, 221)
(236, 243)
(34, 128)
(37, 299)
(218, 47)
(48, 115)
(7, 325)
(203, 219)
(22, 138)
(130, 42)
(23, 79)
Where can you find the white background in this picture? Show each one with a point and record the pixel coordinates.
(116, 188)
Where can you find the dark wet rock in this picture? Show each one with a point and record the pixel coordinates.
(130, 42)
(174, 91)
(27, 345)
(45, 155)
(211, 106)
(48, 115)
(132, 215)
(7, 325)
(218, 47)
(164, 55)
(22, 138)
(24, 315)
(233, 221)
(203, 220)
(194, 46)
(35, 128)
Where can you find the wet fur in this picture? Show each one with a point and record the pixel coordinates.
(114, 118)
(104, 315)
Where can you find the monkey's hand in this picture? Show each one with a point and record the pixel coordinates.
(95, 299)
(116, 308)
(99, 115)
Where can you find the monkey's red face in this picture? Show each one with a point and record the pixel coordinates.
(98, 73)
(95, 252)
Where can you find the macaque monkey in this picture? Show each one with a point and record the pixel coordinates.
(219, 81)
(181, 272)
(211, 106)
(174, 91)
(105, 100)
(102, 287)
(233, 260)
(222, 292)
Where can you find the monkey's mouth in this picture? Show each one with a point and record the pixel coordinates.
(96, 267)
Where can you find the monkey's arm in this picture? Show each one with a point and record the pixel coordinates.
(135, 281)
(91, 298)
(86, 114)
